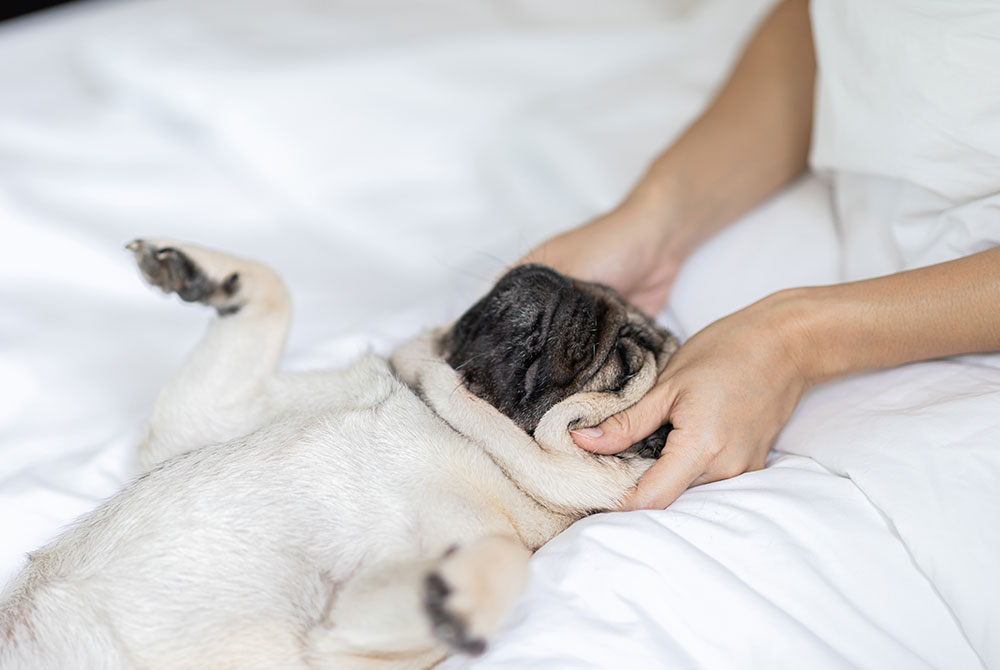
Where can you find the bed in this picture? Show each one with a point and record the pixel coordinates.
(390, 158)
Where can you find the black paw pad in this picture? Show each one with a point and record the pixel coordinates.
(230, 285)
(183, 277)
(448, 627)
(174, 271)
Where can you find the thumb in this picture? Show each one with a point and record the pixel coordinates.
(621, 431)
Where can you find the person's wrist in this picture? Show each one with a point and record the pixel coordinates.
(655, 209)
(799, 319)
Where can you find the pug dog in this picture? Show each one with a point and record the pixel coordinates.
(380, 516)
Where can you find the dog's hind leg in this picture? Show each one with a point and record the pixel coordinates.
(410, 615)
(218, 393)
(471, 590)
(375, 619)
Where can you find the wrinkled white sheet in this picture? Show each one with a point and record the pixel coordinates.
(390, 158)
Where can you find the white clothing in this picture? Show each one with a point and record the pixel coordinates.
(907, 126)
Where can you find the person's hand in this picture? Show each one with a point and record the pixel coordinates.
(629, 249)
(728, 391)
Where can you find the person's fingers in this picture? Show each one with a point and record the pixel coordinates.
(671, 475)
(624, 429)
(733, 462)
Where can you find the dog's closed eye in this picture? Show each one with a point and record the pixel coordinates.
(531, 378)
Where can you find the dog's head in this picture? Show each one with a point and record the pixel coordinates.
(540, 355)
(540, 337)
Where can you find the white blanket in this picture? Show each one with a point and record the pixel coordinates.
(390, 158)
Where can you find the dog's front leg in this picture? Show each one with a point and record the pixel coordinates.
(217, 395)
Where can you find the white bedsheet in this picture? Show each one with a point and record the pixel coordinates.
(390, 158)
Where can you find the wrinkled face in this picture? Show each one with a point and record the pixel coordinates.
(539, 337)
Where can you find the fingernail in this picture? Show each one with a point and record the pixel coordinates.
(589, 433)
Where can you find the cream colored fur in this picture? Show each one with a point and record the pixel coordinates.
(294, 520)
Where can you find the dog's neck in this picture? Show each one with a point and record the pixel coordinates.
(548, 467)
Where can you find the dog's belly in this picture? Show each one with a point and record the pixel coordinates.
(265, 528)
(217, 547)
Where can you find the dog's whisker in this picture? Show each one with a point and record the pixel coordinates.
(471, 359)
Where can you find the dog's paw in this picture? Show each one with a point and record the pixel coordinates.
(470, 592)
(194, 274)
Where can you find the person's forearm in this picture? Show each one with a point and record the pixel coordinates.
(753, 138)
(940, 310)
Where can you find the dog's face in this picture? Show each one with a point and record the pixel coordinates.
(540, 337)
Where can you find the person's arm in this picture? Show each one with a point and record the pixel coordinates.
(752, 139)
(733, 386)
(931, 312)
